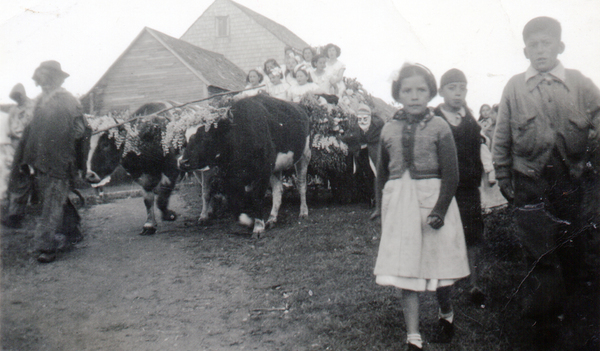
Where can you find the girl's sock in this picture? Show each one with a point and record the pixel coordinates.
(415, 339)
(447, 316)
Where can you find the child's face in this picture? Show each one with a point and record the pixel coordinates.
(542, 50)
(321, 63)
(485, 111)
(253, 78)
(414, 95)
(301, 77)
(291, 62)
(275, 78)
(308, 55)
(454, 94)
(331, 52)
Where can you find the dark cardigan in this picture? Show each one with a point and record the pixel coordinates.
(467, 137)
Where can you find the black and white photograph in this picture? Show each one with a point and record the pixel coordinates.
(300, 175)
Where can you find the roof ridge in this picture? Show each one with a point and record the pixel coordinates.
(266, 20)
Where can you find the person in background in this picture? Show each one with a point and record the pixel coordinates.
(488, 125)
(544, 140)
(278, 88)
(422, 245)
(469, 147)
(304, 86)
(6, 154)
(319, 75)
(54, 150)
(335, 68)
(291, 62)
(269, 65)
(19, 117)
(253, 87)
(307, 55)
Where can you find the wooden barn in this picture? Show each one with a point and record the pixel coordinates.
(157, 67)
(245, 37)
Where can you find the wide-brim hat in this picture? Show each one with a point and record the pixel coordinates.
(53, 66)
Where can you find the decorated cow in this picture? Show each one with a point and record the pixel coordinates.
(257, 139)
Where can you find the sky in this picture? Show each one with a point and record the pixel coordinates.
(480, 37)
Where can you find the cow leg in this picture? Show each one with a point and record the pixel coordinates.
(148, 182)
(205, 178)
(301, 171)
(277, 189)
(165, 188)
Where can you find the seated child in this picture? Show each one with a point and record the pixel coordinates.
(304, 86)
(254, 80)
(278, 88)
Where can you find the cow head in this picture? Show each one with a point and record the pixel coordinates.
(205, 146)
(104, 157)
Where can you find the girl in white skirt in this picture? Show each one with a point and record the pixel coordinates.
(422, 243)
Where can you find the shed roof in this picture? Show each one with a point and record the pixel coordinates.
(213, 68)
(210, 67)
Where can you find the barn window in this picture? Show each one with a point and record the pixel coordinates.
(222, 26)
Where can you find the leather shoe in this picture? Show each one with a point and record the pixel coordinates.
(46, 257)
(413, 347)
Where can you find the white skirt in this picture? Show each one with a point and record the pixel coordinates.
(412, 255)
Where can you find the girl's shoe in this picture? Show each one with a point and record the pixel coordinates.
(413, 347)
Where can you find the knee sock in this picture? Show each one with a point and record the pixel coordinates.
(414, 339)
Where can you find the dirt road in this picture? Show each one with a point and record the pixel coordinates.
(121, 291)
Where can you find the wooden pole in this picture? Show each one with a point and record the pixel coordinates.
(170, 108)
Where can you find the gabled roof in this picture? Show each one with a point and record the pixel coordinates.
(212, 68)
(281, 32)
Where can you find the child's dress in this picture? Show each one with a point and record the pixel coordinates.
(412, 255)
(279, 91)
(332, 71)
(296, 92)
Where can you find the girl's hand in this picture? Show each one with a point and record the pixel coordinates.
(435, 221)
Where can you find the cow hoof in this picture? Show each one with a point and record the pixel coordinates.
(202, 221)
(148, 231)
(257, 236)
(169, 215)
(270, 224)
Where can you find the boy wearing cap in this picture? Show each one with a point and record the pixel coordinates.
(54, 149)
(469, 145)
(547, 123)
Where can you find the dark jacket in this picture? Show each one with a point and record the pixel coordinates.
(57, 139)
(467, 137)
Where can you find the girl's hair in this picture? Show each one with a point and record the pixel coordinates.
(273, 61)
(410, 70)
(316, 58)
(308, 48)
(337, 49)
(495, 108)
(260, 76)
(303, 69)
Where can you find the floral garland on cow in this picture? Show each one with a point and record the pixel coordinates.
(172, 129)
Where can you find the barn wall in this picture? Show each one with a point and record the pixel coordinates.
(248, 45)
(146, 72)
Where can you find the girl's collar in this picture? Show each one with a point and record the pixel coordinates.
(426, 117)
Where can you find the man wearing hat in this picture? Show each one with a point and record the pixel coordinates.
(54, 150)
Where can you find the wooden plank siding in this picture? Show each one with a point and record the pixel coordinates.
(146, 72)
(248, 45)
